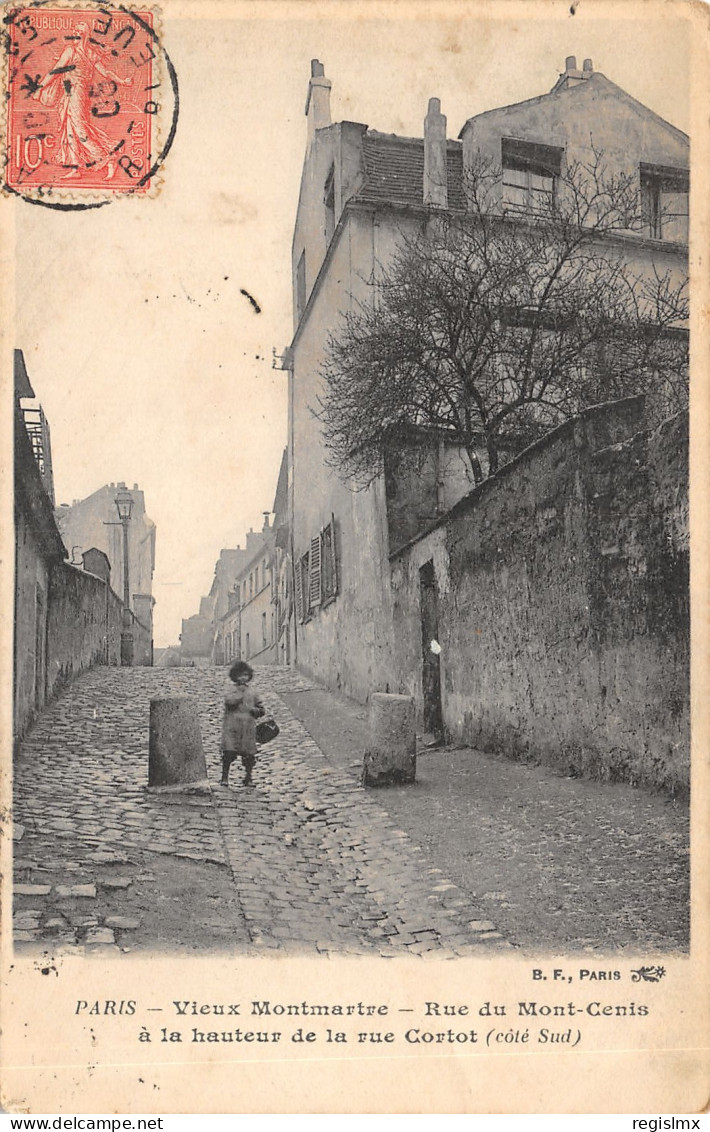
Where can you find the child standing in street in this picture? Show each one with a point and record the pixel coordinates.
(242, 707)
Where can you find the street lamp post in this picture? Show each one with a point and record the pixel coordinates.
(124, 506)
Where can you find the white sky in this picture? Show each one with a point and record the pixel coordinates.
(150, 365)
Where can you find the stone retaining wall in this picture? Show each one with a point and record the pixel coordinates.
(84, 624)
(563, 597)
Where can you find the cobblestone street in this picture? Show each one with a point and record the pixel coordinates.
(307, 862)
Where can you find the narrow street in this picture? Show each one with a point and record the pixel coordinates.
(480, 856)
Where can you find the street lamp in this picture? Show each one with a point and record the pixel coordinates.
(124, 506)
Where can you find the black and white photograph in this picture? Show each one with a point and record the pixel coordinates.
(351, 569)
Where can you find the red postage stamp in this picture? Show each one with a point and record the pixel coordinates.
(83, 94)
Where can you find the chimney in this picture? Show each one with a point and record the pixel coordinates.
(318, 100)
(571, 76)
(435, 179)
(266, 520)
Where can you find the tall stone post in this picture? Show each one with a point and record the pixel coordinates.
(391, 756)
(176, 758)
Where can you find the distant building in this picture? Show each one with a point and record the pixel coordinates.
(206, 634)
(93, 522)
(257, 626)
(196, 637)
(96, 562)
(282, 568)
(221, 598)
(248, 612)
(228, 630)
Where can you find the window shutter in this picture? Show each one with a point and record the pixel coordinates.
(315, 587)
(333, 556)
(305, 594)
(299, 592)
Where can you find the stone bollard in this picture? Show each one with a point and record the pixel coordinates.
(176, 759)
(391, 757)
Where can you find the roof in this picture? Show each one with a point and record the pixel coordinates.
(394, 169)
(596, 81)
(394, 166)
(280, 507)
(23, 388)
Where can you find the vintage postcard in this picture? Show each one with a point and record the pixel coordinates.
(355, 573)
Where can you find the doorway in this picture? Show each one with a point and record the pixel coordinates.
(431, 673)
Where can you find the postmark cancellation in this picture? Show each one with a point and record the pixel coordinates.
(91, 103)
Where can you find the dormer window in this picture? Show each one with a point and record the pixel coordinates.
(530, 174)
(329, 204)
(664, 197)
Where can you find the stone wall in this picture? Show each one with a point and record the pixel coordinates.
(30, 644)
(562, 587)
(84, 625)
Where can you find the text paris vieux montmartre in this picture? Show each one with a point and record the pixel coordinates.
(338, 1012)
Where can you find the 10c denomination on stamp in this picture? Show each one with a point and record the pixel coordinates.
(85, 88)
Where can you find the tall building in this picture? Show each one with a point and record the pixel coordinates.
(360, 190)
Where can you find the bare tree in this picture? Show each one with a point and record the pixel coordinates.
(492, 326)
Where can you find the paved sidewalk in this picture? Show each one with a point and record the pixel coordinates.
(307, 862)
(560, 864)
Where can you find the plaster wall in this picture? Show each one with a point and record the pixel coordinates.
(347, 643)
(257, 623)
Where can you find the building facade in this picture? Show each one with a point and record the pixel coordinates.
(196, 637)
(254, 587)
(248, 611)
(360, 191)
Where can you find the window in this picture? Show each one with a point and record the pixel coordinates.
(329, 572)
(251, 585)
(248, 647)
(301, 285)
(329, 203)
(263, 630)
(530, 173)
(664, 197)
(316, 574)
